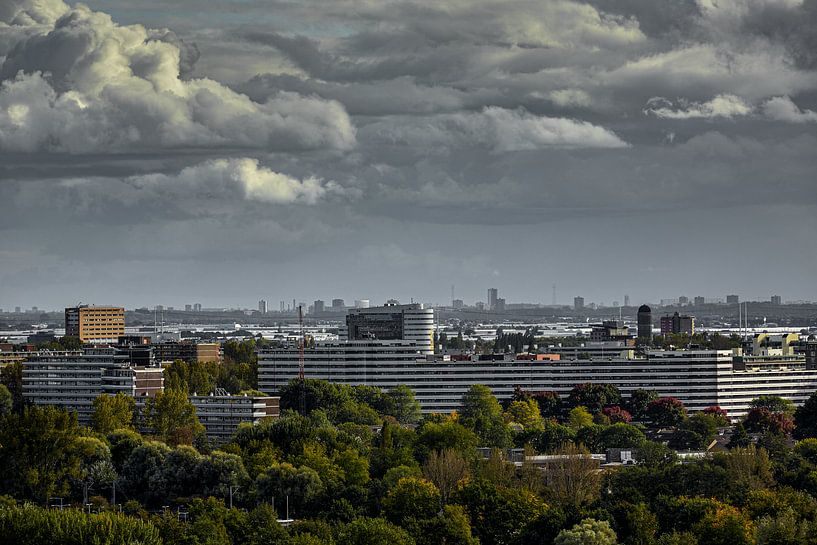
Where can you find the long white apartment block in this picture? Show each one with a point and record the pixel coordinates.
(699, 378)
(72, 380)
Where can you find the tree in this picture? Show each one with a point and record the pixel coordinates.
(549, 403)
(638, 402)
(369, 531)
(446, 435)
(404, 406)
(721, 416)
(695, 433)
(805, 417)
(764, 420)
(411, 498)
(451, 527)
(653, 455)
(724, 526)
(281, 481)
(739, 437)
(666, 412)
(572, 478)
(617, 415)
(446, 469)
(578, 418)
(172, 417)
(500, 514)
(594, 397)
(36, 452)
(641, 525)
(482, 413)
(553, 436)
(112, 412)
(525, 414)
(620, 436)
(11, 376)
(775, 404)
(6, 400)
(588, 532)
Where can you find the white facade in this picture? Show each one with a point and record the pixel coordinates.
(699, 378)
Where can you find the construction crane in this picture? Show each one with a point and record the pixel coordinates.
(301, 344)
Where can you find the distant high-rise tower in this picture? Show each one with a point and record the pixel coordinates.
(644, 323)
(318, 307)
(338, 304)
(683, 300)
(699, 300)
(196, 307)
(732, 299)
(776, 300)
(493, 295)
(262, 306)
(578, 303)
(626, 300)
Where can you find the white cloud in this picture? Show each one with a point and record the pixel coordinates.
(783, 109)
(726, 106)
(82, 83)
(498, 129)
(242, 177)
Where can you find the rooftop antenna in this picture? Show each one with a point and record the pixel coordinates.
(301, 358)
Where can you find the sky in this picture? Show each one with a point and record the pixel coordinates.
(172, 152)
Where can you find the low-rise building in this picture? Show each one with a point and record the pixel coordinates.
(221, 413)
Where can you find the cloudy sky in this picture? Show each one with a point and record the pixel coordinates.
(170, 152)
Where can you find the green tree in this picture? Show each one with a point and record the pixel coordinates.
(404, 406)
(775, 404)
(11, 376)
(500, 514)
(739, 437)
(373, 531)
(638, 402)
(553, 436)
(172, 417)
(805, 418)
(446, 435)
(578, 418)
(112, 412)
(482, 413)
(301, 485)
(6, 400)
(451, 527)
(594, 397)
(411, 498)
(526, 414)
(666, 412)
(588, 532)
(654, 455)
(36, 452)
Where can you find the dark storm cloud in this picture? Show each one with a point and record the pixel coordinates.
(431, 140)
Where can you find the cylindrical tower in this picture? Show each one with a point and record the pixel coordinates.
(644, 323)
